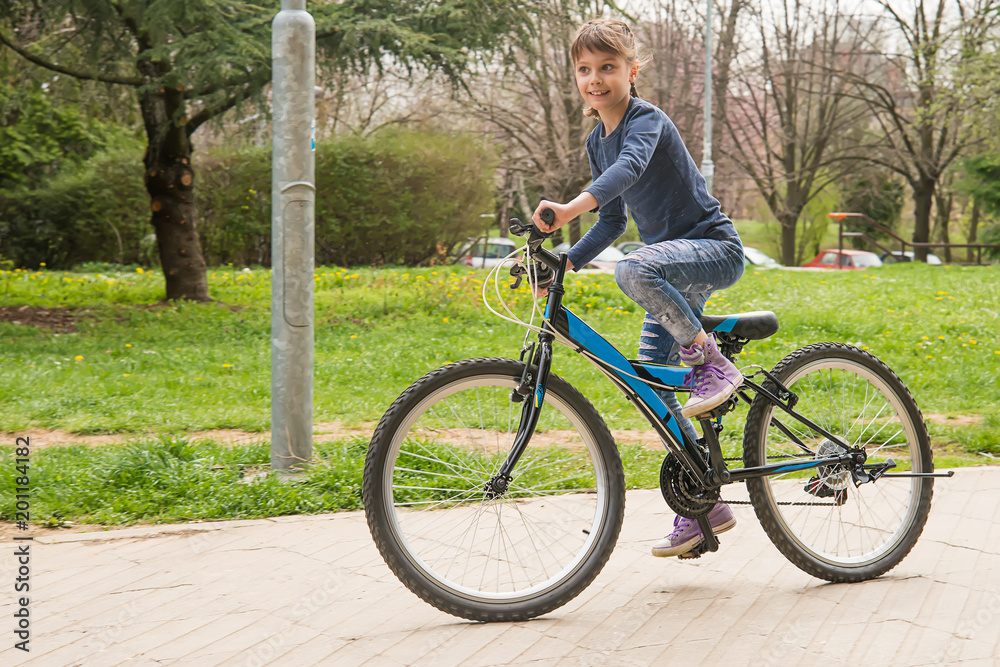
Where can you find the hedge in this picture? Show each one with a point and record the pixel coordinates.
(397, 197)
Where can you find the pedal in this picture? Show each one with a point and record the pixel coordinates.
(697, 552)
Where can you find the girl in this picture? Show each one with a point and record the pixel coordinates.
(638, 160)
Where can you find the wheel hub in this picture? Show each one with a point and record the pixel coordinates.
(836, 476)
(496, 487)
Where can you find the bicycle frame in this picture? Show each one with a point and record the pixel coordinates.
(627, 376)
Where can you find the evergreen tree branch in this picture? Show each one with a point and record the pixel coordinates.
(77, 74)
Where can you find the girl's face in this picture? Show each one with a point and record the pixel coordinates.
(604, 80)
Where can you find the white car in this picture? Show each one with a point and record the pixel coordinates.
(605, 260)
(628, 246)
(908, 256)
(477, 255)
(757, 259)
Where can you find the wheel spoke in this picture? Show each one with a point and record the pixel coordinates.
(848, 393)
(473, 545)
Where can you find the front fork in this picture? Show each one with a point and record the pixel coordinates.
(541, 359)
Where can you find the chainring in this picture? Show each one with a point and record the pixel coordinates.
(682, 493)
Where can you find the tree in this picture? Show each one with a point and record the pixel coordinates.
(981, 182)
(922, 100)
(791, 112)
(532, 100)
(675, 79)
(874, 192)
(190, 61)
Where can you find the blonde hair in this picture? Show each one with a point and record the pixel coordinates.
(607, 36)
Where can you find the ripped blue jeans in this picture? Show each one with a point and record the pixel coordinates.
(672, 281)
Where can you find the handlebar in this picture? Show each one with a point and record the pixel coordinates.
(536, 237)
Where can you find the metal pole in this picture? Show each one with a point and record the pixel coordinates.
(293, 57)
(707, 166)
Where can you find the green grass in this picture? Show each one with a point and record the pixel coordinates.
(172, 479)
(163, 370)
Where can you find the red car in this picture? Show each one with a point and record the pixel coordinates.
(849, 259)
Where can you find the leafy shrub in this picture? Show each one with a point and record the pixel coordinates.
(398, 197)
(97, 212)
(37, 137)
(877, 195)
(991, 236)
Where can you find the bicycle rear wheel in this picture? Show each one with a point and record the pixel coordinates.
(456, 545)
(817, 518)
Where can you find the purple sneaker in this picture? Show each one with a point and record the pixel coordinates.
(714, 377)
(687, 533)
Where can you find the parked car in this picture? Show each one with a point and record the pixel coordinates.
(897, 256)
(849, 259)
(606, 260)
(629, 246)
(473, 253)
(757, 259)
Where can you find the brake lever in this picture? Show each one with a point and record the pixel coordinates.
(518, 271)
(518, 228)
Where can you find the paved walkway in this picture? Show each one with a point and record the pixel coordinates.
(313, 590)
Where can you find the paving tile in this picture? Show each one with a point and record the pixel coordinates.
(314, 590)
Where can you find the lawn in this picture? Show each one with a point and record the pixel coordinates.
(158, 372)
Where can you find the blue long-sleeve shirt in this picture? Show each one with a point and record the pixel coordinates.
(644, 164)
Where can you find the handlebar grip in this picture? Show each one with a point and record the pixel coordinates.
(547, 215)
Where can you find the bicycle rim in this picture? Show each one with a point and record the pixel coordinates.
(494, 550)
(820, 510)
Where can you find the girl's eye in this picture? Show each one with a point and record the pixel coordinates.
(584, 70)
(608, 67)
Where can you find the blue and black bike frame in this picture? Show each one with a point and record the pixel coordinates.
(703, 462)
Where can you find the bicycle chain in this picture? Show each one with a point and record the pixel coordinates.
(786, 502)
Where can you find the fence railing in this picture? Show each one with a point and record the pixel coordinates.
(903, 243)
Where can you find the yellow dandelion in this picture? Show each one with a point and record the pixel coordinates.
(354, 335)
(924, 338)
(128, 344)
(128, 375)
(78, 358)
(139, 270)
(445, 320)
(42, 264)
(227, 365)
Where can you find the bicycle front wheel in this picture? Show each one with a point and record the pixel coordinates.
(463, 548)
(817, 518)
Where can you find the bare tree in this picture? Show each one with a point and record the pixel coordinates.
(532, 102)
(791, 108)
(921, 105)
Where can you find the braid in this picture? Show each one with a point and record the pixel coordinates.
(632, 91)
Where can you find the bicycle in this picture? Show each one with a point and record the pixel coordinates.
(491, 508)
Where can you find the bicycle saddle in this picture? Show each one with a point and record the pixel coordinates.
(752, 326)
